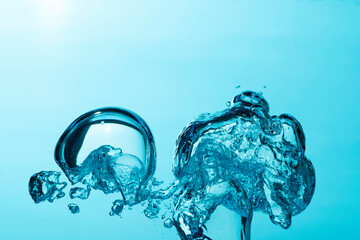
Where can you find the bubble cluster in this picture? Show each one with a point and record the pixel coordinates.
(244, 159)
(241, 158)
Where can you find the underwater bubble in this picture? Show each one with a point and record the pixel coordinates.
(117, 208)
(74, 209)
(45, 186)
(152, 210)
(244, 159)
(108, 149)
(79, 192)
(228, 103)
(241, 158)
(168, 223)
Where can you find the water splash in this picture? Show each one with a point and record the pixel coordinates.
(45, 186)
(244, 159)
(241, 158)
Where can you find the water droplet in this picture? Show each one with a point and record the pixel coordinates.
(45, 186)
(113, 140)
(228, 103)
(74, 209)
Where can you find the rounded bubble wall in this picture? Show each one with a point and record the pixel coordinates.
(109, 149)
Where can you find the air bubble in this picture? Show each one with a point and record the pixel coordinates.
(108, 149)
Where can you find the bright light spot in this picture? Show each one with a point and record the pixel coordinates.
(51, 17)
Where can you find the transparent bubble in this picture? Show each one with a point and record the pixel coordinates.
(168, 223)
(109, 149)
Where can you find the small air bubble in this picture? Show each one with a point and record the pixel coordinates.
(228, 103)
(168, 223)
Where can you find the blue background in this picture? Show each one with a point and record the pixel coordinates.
(169, 61)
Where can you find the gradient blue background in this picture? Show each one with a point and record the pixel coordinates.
(169, 61)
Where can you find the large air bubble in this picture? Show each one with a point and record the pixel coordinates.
(108, 149)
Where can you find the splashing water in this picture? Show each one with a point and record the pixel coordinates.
(244, 159)
(241, 158)
(45, 186)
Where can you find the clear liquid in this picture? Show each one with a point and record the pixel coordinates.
(240, 158)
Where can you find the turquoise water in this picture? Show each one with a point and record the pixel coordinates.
(169, 62)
